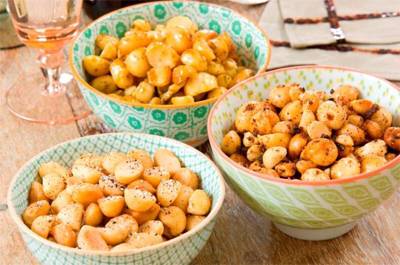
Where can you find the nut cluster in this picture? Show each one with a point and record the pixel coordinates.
(116, 201)
(312, 135)
(175, 63)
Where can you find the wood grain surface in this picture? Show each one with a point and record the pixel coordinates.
(240, 237)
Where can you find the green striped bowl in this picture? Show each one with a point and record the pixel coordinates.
(189, 123)
(180, 250)
(308, 210)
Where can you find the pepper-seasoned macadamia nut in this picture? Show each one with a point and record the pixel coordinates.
(155, 175)
(43, 224)
(35, 210)
(110, 186)
(168, 191)
(142, 185)
(128, 171)
(71, 215)
(53, 184)
(139, 200)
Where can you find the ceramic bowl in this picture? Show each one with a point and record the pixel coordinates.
(188, 123)
(307, 210)
(180, 250)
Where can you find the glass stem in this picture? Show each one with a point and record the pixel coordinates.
(50, 64)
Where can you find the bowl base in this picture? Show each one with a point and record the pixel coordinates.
(315, 234)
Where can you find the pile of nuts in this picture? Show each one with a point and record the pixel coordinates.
(116, 201)
(175, 63)
(312, 135)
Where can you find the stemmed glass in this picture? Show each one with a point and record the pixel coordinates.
(47, 25)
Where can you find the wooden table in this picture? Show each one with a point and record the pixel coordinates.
(240, 236)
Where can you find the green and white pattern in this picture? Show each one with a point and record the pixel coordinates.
(186, 124)
(307, 206)
(182, 251)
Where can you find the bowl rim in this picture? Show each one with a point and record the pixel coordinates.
(25, 229)
(257, 176)
(86, 85)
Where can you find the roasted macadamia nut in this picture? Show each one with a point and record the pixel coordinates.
(392, 137)
(345, 94)
(345, 167)
(314, 174)
(376, 147)
(321, 151)
(231, 143)
(273, 156)
(187, 177)
(174, 220)
(35, 210)
(292, 112)
(332, 114)
(114, 200)
(279, 96)
(316, 136)
(36, 192)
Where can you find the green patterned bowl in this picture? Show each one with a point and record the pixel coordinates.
(307, 210)
(189, 123)
(180, 250)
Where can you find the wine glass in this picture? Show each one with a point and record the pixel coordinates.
(47, 25)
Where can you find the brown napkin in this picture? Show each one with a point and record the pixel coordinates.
(361, 31)
(365, 58)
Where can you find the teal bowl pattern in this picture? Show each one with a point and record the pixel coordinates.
(189, 123)
(180, 250)
(312, 205)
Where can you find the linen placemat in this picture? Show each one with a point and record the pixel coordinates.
(315, 22)
(381, 60)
